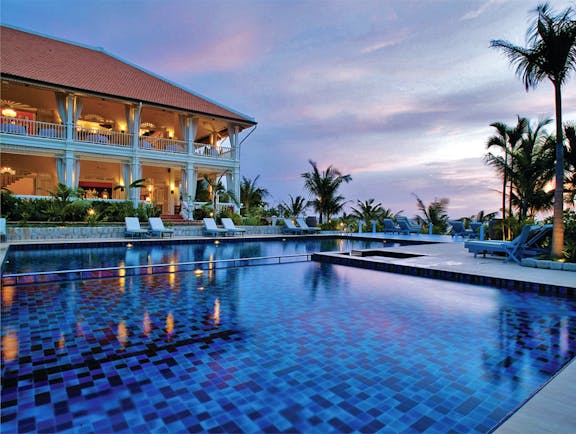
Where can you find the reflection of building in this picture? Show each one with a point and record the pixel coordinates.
(82, 117)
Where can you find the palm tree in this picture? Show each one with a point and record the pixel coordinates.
(551, 54)
(294, 208)
(532, 171)
(506, 140)
(324, 186)
(570, 160)
(434, 214)
(367, 210)
(250, 195)
(529, 169)
(218, 191)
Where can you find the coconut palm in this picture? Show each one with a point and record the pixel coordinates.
(435, 214)
(367, 210)
(532, 172)
(218, 191)
(529, 168)
(323, 186)
(506, 139)
(294, 207)
(570, 160)
(250, 195)
(551, 53)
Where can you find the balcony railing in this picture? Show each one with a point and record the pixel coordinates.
(162, 144)
(26, 127)
(103, 137)
(33, 128)
(214, 152)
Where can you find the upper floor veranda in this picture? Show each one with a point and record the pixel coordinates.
(36, 119)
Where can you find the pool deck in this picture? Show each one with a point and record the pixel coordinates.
(550, 409)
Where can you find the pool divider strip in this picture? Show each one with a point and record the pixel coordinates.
(14, 279)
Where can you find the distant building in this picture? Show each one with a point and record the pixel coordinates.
(80, 116)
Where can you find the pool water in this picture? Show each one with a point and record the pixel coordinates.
(301, 347)
(26, 261)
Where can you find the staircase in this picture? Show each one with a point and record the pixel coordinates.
(175, 219)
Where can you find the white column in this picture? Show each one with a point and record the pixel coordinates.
(136, 174)
(69, 177)
(233, 184)
(191, 175)
(136, 114)
(69, 118)
(233, 131)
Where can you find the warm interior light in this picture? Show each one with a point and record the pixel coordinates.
(8, 112)
(7, 171)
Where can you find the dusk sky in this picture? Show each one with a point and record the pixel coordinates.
(397, 93)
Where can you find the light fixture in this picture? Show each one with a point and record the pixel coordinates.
(8, 112)
(7, 171)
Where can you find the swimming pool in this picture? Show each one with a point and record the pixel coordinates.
(136, 254)
(302, 347)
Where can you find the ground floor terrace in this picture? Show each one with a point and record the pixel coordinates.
(361, 389)
(166, 184)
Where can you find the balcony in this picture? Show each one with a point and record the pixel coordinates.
(106, 137)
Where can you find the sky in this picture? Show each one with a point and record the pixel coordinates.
(400, 94)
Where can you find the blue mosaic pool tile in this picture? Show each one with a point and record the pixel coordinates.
(353, 352)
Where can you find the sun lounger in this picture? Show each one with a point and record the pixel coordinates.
(406, 224)
(133, 228)
(516, 249)
(211, 228)
(391, 228)
(157, 227)
(458, 230)
(231, 227)
(291, 228)
(312, 229)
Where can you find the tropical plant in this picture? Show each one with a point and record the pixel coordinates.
(506, 140)
(435, 213)
(60, 199)
(570, 160)
(551, 53)
(219, 192)
(323, 186)
(528, 166)
(294, 207)
(251, 195)
(367, 210)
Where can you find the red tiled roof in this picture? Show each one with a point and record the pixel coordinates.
(29, 56)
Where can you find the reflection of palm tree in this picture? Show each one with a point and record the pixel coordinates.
(551, 54)
(321, 274)
(324, 187)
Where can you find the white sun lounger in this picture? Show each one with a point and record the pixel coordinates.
(211, 228)
(231, 227)
(157, 227)
(133, 228)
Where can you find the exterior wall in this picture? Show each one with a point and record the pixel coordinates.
(113, 232)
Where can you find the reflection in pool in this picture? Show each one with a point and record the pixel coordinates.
(302, 347)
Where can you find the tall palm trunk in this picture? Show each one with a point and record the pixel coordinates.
(505, 183)
(558, 229)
